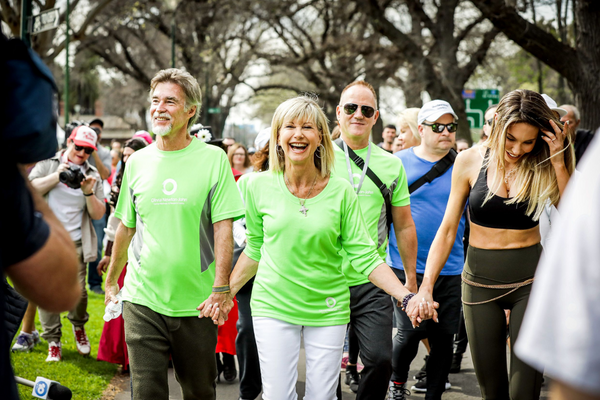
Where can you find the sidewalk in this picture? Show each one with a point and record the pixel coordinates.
(464, 384)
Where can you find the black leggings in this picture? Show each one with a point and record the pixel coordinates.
(486, 323)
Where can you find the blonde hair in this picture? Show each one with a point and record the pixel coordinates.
(232, 150)
(189, 84)
(410, 118)
(535, 177)
(304, 108)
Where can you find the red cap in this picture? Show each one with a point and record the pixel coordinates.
(84, 136)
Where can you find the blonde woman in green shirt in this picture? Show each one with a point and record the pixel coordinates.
(299, 217)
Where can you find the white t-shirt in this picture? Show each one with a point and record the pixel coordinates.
(561, 329)
(68, 204)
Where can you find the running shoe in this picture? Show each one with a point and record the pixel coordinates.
(25, 342)
(421, 386)
(398, 392)
(81, 339)
(54, 352)
(352, 378)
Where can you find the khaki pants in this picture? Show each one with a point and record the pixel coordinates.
(152, 337)
(78, 316)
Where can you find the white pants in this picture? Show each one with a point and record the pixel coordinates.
(278, 345)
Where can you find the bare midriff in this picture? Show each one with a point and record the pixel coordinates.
(499, 239)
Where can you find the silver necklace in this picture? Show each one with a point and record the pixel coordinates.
(303, 209)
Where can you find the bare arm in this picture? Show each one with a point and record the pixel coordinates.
(406, 237)
(95, 206)
(118, 259)
(48, 182)
(556, 145)
(102, 170)
(221, 302)
(446, 234)
(49, 277)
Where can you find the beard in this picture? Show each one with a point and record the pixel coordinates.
(162, 130)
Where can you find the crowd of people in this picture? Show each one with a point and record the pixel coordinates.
(327, 239)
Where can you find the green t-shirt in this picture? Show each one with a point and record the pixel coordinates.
(173, 198)
(391, 172)
(300, 278)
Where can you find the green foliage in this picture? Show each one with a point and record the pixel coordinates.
(85, 376)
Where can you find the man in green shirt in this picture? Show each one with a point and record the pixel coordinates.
(177, 204)
(370, 307)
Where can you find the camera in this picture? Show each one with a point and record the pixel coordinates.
(72, 177)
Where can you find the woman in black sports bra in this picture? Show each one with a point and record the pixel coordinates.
(526, 162)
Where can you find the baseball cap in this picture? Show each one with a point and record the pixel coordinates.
(84, 136)
(262, 138)
(97, 121)
(433, 110)
(144, 135)
(553, 106)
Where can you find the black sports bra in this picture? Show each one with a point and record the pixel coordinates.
(496, 213)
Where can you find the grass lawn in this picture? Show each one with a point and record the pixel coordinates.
(86, 377)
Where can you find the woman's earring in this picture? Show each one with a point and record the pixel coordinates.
(319, 152)
(279, 150)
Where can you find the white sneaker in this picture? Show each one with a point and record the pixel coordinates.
(54, 351)
(81, 339)
(25, 342)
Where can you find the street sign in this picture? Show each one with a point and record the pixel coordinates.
(476, 102)
(214, 110)
(44, 21)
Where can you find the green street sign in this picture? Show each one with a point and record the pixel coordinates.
(476, 102)
(214, 110)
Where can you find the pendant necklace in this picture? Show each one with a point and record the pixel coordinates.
(303, 209)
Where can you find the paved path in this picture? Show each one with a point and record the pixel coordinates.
(464, 384)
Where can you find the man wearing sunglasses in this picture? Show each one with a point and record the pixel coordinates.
(370, 307)
(437, 127)
(75, 209)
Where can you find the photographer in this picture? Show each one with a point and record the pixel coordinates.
(73, 189)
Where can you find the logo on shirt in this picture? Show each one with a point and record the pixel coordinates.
(330, 301)
(169, 186)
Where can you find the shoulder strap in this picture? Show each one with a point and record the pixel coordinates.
(385, 191)
(436, 171)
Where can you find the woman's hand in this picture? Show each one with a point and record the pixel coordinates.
(556, 141)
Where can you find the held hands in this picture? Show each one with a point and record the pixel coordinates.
(422, 307)
(217, 307)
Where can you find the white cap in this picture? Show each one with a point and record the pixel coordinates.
(84, 136)
(553, 106)
(262, 138)
(433, 110)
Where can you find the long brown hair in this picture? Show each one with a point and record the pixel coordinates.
(232, 150)
(535, 177)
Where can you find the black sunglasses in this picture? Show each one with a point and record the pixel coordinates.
(489, 121)
(439, 128)
(367, 111)
(88, 150)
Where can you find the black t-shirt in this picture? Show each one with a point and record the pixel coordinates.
(24, 232)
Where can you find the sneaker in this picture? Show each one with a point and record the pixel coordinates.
(398, 392)
(422, 372)
(456, 361)
(352, 378)
(81, 339)
(54, 352)
(36, 337)
(421, 386)
(25, 342)
(97, 290)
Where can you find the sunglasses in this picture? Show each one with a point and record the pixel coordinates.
(88, 150)
(367, 111)
(489, 121)
(439, 128)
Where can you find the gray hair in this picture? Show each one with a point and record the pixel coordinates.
(189, 84)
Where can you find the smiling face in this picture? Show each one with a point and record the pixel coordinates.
(520, 140)
(356, 126)
(388, 135)
(168, 112)
(77, 156)
(299, 140)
